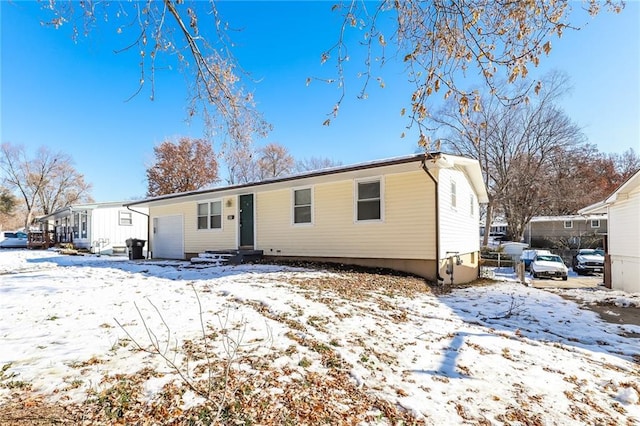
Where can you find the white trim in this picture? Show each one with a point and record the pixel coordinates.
(380, 180)
(453, 193)
(120, 214)
(208, 204)
(293, 205)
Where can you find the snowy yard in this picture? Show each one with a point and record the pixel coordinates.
(282, 345)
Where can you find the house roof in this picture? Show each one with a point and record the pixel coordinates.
(623, 190)
(67, 210)
(567, 217)
(433, 160)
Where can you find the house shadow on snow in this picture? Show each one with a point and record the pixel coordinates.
(165, 269)
(515, 311)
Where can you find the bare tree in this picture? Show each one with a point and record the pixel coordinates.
(240, 161)
(63, 187)
(442, 42)
(315, 163)
(186, 165)
(517, 147)
(274, 161)
(36, 179)
(627, 164)
(172, 29)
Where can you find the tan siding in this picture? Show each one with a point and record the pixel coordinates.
(198, 240)
(406, 232)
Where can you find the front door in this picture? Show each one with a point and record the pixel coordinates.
(246, 221)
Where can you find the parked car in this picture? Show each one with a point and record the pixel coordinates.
(549, 265)
(527, 257)
(14, 240)
(588, 260)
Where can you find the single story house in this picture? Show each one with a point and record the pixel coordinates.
(417, 214)
(622, 259)
(102, 228)
(569, 231)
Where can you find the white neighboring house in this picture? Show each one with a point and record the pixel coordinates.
(623, 234)
(102, 228)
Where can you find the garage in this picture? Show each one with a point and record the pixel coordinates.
(168, 241)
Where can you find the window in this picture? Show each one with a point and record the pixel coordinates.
(595, 223)
(302, 205)
(568, 224)
(369, 201)
(210, 215)
(125, 218)
(453, 194)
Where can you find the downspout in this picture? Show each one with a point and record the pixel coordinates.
(148, 227)
(437, 205)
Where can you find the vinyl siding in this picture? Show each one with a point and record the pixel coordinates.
(405, 231)
(199, 240)
(624, 226)
(104, 223)
(624, 234)
(458, 225)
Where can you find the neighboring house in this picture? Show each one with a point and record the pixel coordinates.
(417, 214)
(571, 231)
(622, 259)
(102, 228)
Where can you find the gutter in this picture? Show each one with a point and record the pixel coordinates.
(437, 206)
(148, 226)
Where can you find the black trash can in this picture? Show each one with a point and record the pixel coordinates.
(134, 247)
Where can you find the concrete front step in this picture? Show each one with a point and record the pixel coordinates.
(224, 257)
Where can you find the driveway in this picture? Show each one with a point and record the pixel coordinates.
(574, 281)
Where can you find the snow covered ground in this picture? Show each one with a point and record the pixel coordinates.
(494, 354)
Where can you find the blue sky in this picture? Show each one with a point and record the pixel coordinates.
(71, 96)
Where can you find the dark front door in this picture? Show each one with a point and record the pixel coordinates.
(246, 221)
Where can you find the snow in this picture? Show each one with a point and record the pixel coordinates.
(479, 351)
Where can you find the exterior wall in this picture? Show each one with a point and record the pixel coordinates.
(104, 223)
(458, 226)
(404, 238)
(553, 229)
(199, 240)
(623, 237)
(406, 230)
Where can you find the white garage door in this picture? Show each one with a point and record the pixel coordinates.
(167, 237)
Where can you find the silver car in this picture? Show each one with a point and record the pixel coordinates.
(549, 265)
(14, 240)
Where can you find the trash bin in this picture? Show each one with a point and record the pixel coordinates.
(134, 247)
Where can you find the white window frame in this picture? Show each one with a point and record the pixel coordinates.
(568, 224)
(596, 222)
(209, 215)
(293, 206)
(454, 194)
(372, 179)
(123, 220)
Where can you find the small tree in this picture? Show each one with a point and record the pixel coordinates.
(187, 165)
(274, 161)
(315, 163)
